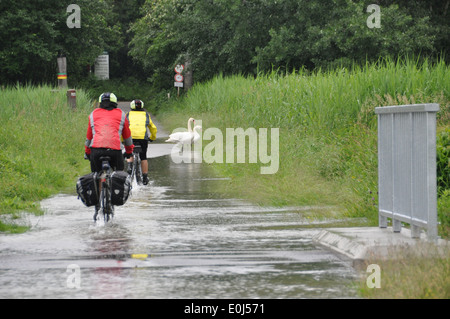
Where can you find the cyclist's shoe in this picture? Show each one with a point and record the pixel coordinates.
(144, 179)
(130, 168)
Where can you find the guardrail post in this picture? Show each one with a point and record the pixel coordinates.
(407, 183)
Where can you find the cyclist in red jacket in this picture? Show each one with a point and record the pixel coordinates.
(107, 124)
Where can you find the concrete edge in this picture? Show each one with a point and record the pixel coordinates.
(361, 243)
(340, 244)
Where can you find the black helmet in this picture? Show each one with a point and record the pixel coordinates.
(136, 105)
(108, 97)
(107, 100)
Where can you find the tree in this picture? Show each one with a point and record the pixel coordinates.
(154, 43)
(216, 35)
(34, 33)
(337, 31)
(124, 13)
(247, 36)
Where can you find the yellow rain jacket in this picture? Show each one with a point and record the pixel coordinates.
(139, 121)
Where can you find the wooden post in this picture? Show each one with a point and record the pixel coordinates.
(72, 98)
(62, 72)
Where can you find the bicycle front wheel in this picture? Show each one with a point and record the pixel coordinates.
(107, 209)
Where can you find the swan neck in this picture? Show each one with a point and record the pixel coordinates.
(189, 124)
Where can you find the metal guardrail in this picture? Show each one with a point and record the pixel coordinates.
(407, 187)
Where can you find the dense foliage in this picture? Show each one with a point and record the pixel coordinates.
(251, 36)
(146, 38)
(34, 33)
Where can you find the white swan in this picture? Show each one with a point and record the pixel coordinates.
(181, 136)
(196, 135)
(189, 137)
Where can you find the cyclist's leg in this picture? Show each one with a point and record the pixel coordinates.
(144, 165)
(117, 161)
(130, 165)
(144, 161)
(96, 164)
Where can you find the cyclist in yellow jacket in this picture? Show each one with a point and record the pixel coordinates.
(139, 121)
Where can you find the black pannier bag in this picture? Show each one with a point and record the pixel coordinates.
(121, 187)
(87, 189)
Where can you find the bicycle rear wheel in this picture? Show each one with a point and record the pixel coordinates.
(108, 208)
(104, 208)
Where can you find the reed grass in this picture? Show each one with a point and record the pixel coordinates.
(328, 128)
(41, 146)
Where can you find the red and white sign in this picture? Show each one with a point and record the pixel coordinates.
(179, 68)
(179, 78)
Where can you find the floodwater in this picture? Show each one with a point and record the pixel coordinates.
(175, 238)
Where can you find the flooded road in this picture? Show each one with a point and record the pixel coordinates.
(175, 238)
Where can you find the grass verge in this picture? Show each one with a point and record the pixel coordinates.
(41, 147)
(419, 273)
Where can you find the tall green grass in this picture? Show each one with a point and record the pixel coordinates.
(328, 128)
(41, 146)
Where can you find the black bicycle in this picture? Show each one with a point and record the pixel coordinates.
(136, 171)
(105, 206)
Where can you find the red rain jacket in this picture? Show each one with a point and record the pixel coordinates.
(105, 129)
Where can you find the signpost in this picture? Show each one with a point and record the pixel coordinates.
(178, 77)
(102, 66)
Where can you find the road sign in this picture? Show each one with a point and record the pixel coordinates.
(179, 68)
(178, 77)
(102, 67)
